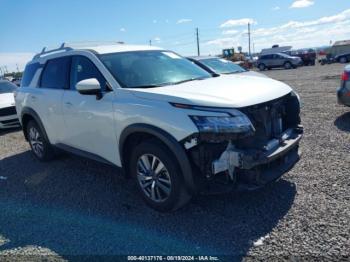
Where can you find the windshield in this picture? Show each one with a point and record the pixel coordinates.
(146, 69)
(6, 87)
(222, 66)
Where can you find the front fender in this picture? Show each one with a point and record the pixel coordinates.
(178, 151)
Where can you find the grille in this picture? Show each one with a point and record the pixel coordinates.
(270, 120)
(9, 122)
(8, 111)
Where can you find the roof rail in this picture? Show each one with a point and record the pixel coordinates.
(64, 47)
(60, 49)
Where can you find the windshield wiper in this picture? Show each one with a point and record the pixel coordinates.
(232, 73)
(189, 80)
(169, 83)
(150, 86)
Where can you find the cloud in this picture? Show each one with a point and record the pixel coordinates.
(122, 29)
(238, 22)
(11, 60)
(299, 34)
(276, 8)
(230, 32)
(155, 21)
(302, 3)
(183, 21)
(157, 39)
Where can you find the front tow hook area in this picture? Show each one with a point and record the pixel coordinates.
(257, 168)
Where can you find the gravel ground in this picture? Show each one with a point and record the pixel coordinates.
(74, 206)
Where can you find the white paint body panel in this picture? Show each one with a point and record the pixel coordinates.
(238, 90)
(7, 100)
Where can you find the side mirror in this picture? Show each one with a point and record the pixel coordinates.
(89, 87)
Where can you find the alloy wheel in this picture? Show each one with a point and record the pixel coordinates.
(153, 178)
(36, 142)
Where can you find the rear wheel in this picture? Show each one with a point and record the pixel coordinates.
(38, 142)
(158, 176)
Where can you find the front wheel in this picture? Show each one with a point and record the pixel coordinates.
(288, 65)
(262, 67)
(343, 60)
(158, 176)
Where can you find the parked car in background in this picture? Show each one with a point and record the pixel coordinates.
(169, 124)
(344, 90)
(343, 58)
(17, 81)
(278, 60)
(307, 56)
(219, 66)
(8, 115)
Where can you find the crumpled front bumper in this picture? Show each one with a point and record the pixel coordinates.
(252, 169)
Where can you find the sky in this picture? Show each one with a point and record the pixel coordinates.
(29, 25)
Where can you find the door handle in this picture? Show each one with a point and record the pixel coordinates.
(33, 97)
(68, 104)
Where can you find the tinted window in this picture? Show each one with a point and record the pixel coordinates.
(55, 74)
(29, 73)
(145, 69)
(82, 69)
(6, 87)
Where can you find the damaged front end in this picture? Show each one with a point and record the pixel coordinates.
(249, 158)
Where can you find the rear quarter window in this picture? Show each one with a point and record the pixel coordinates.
(29, 73)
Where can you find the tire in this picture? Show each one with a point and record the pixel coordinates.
(262, 67)
(163, 189)
(343, 60)
(288, 65)
(41, 147)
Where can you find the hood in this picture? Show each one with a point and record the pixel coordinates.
(239, 90)
(7, 100)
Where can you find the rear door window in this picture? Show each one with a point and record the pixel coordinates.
(56, 73)
(82, 69)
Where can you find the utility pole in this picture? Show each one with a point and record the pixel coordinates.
(249, 34)
(17, 68)
(150, 42)
(197, 34)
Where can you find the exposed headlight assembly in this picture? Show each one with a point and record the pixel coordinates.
(235, 122)
(223, 124)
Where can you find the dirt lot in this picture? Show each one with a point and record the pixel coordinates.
(72, 206)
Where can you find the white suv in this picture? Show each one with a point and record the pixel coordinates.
(166, 122)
